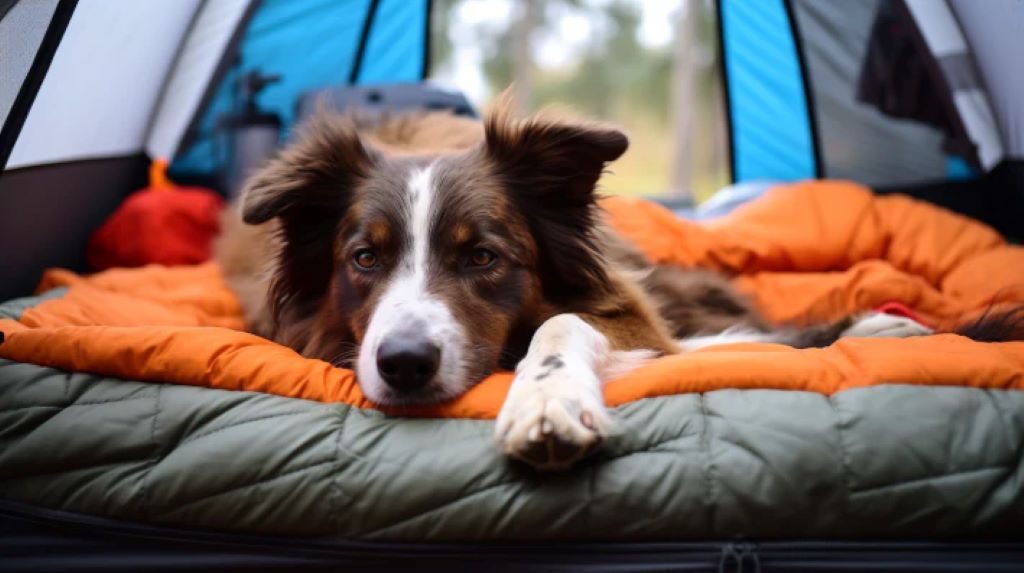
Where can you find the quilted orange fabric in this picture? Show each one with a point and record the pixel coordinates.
(809, 251)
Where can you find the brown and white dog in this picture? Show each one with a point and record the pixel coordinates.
(428, 250)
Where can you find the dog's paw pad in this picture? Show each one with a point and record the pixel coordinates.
(550, 431)
(552, 452)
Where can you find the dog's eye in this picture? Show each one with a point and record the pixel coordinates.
(365, 259)
(481, 258)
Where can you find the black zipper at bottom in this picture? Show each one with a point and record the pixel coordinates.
(39, 539)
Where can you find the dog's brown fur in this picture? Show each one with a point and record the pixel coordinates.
(534, 178)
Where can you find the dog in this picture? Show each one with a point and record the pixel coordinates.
(426, 251)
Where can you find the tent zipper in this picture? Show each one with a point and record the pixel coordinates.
(739, 557)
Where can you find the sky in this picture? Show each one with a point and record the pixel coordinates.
(551, 51)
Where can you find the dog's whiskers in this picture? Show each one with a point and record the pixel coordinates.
(346, 357)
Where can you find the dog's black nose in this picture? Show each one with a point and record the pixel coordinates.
(407, 363)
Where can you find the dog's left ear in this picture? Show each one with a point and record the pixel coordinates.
(555, 162)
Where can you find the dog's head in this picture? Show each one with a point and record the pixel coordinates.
(426, 269)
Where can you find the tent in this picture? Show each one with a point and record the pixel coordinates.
(919, 96)
(91, 89)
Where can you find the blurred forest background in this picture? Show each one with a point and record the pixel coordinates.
(650, 67)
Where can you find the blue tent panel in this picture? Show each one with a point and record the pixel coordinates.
(772, 137)
(311, 44)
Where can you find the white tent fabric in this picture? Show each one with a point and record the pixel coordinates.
(102, 88)
(995, 31)
(849, 131)
(21, 32)
(196, 64)
(938, 24)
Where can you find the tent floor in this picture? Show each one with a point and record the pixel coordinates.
(37, 539)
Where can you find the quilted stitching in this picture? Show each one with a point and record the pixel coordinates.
(66, 406)
(642, 477)
(249, 485)
(708, 467)
(932, 479)
(207, 433)
(147, 506)
(844, 455)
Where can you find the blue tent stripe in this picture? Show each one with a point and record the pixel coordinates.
(395, 49)
(771, 130)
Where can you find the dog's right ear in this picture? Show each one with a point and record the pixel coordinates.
(307, 187)
(315, 174)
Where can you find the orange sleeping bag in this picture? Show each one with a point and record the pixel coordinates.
(805, 252)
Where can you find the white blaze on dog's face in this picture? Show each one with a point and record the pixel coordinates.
(426, 273)
(413, 344)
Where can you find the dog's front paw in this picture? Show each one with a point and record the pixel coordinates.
(553, 416)
(881, 325)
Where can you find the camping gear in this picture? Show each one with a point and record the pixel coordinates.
(870, 438)
(252, 136)
(883, 462)
(161, 224)
(384, 99)
(151, 324)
